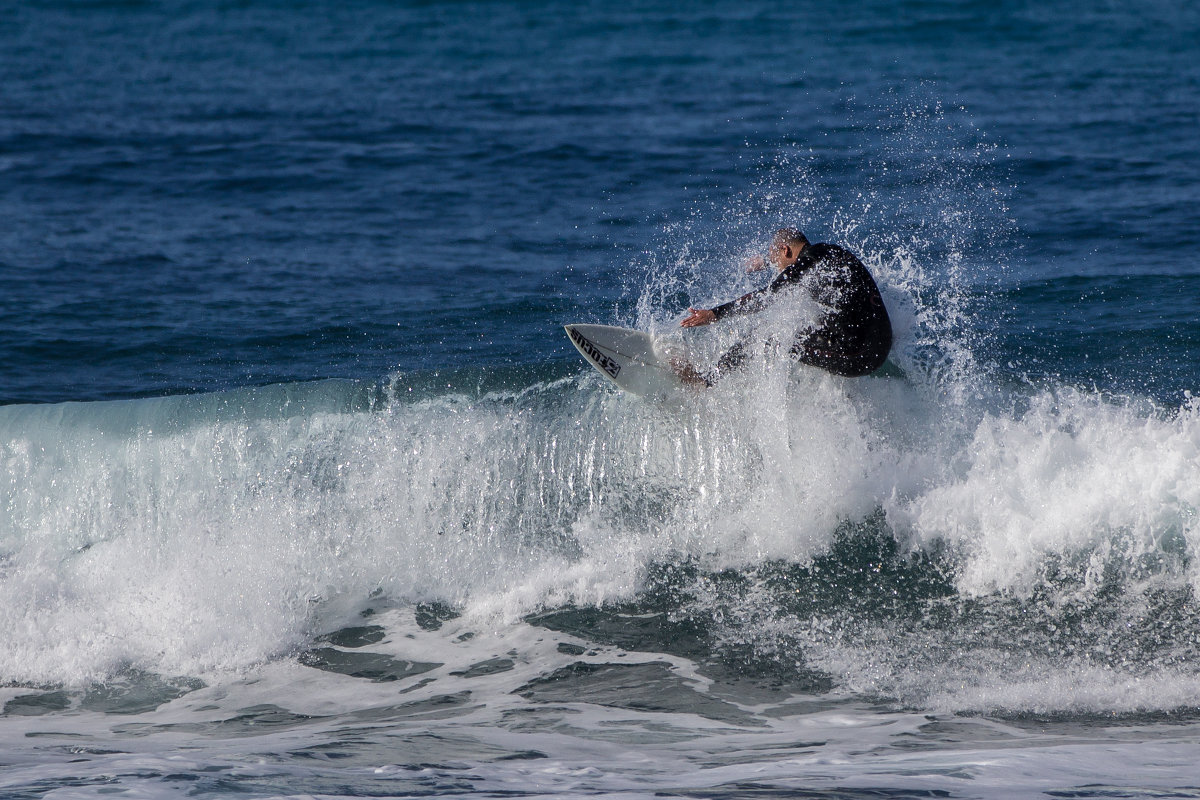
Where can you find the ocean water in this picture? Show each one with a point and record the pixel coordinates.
(303, 491)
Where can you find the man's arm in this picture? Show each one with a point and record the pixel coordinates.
(745, 304)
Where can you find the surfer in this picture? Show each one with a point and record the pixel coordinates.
(852, 338)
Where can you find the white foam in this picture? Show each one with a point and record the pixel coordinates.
(210, 545)
(1073, 475)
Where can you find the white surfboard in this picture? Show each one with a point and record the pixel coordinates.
(630, 359)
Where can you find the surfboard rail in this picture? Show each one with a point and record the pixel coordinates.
(629, 358)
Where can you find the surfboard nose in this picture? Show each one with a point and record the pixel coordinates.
(626, 357)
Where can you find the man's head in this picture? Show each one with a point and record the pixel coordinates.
(786, 245)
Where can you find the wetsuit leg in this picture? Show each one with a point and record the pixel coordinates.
(822, 351)
(734, 357)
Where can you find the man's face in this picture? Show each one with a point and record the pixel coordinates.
(780, 255)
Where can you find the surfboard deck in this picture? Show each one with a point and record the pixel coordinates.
(631, 359)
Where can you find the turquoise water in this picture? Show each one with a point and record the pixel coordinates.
(305, 492)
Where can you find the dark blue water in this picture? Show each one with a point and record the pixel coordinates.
(199, 196)
(304, 491)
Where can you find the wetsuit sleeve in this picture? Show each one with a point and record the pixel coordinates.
(746, 304)
(757, 300)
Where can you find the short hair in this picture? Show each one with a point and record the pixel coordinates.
(790, 236)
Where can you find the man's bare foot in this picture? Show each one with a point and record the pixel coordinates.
(688, 374)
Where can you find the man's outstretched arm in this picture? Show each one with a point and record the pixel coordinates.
(746, 304)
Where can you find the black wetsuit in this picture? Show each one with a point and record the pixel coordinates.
(854, 336)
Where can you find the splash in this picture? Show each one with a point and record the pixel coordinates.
(891, 536)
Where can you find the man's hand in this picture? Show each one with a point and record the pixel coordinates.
(688, 374)
(698, 317)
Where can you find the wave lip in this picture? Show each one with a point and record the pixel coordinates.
(198, 535)
(1072, 475)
